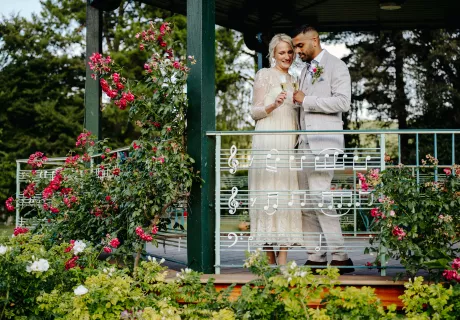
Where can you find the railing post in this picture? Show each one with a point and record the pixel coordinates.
(417, 158)
(453, 149)
(383, 250)
(18, 191)
(355, 210)
(436, 155)
(217, 187)
(382, 152)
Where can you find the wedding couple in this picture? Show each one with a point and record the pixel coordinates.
(324, 93)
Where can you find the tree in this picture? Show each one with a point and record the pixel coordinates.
(407, 77)
(42, 77)
(37, 110)
(234, 78)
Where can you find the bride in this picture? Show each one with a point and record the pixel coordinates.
(273, 109)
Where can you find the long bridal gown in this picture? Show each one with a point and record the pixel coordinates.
(281, 225)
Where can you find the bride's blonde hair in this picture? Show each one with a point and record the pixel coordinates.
(277, 38)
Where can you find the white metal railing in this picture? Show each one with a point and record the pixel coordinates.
(351, 203)
(172, 237)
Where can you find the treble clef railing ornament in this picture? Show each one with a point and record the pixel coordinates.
(232, 162)
(232, 203)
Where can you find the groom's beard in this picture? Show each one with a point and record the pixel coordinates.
(304, 58)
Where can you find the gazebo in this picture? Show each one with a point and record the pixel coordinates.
(258, 21)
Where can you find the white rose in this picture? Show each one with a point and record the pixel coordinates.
(3, 249)
(162, 260)
(80, 290)
(38, 266)
(43, 265)
(78, 247)
(33, 267)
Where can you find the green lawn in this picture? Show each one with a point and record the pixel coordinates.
(6, 230)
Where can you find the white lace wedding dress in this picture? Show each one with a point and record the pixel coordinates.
(281, 225)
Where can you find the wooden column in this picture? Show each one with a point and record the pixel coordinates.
(92, 88)
(201, 118)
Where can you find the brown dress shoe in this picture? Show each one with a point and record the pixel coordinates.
(344, 263)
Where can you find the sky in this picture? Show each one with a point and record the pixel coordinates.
(24, 7)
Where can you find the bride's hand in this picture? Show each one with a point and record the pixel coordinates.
(280, 99)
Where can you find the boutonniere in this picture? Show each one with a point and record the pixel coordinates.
(316, 73)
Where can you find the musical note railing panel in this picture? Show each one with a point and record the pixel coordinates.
(346, 200)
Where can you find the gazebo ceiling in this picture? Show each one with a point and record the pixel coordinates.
(254, 16)
(261, 16)
(331, 15)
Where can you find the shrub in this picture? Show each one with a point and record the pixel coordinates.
(431, 301)
(29, 266)
(98, 194)
(419, 222)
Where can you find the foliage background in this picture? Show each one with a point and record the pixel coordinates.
(42, 75)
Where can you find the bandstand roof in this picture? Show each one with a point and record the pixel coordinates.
(253, 16)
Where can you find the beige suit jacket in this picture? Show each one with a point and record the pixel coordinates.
(324, 103)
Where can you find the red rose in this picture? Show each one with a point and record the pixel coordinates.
(115, 243)
(116, 77)
(71, 263)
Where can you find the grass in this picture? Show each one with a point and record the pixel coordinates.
(6, 230)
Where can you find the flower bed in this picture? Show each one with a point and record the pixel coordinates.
(41, 280)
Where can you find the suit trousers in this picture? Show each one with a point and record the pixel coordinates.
(314, 221)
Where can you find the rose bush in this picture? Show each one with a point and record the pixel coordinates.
(98, 194)
(67, 281)
(30, 266)
(419, 221)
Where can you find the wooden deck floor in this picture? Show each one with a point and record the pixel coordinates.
(232, 262)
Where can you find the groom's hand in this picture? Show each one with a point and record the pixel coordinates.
(298, 97)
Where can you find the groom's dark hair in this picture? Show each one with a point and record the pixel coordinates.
(303, 29)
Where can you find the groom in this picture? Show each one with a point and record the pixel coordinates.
(325, 92)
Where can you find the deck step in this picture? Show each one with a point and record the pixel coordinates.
(386, 288)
